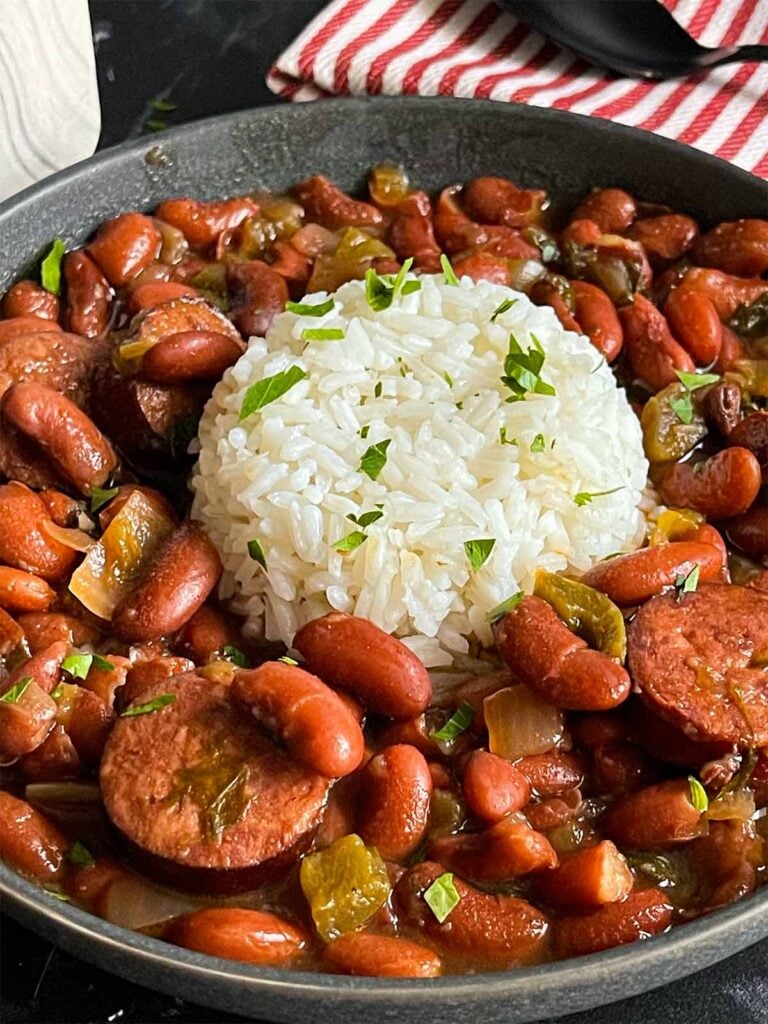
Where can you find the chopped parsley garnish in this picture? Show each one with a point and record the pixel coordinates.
(162, 106)
(478, 551)
(503, 439)
(350, 542)
(377, 390)
(269, 390)
(100, 496)
(682, 405)
(77, 664)
(458, 723)
(235, 655)
(522, 371)
(365, 431)
(448, 271)
(50, 268)
(310, 309)
(448, 378)
(375, 459)
(442, 896)
(382, 289)
(286, 660)
(538, 444)
(686, 583)
(322, 334)
(80, 855)
(155, 124)
(502, 308)
(506, 606)
(103, 663)
(61, 896)
(366, 519)
(161, 701)
(14, 693)
(699, 797)
(586, 497)
(256, 551)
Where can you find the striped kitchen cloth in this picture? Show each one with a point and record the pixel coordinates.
(474, 48)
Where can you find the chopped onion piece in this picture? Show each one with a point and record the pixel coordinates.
(113, 562)
(135, 904)
(738, 805)
(78, 540)
(520, 723)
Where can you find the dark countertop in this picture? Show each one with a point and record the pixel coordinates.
(208, 57)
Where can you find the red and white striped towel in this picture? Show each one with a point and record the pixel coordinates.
(473, 48)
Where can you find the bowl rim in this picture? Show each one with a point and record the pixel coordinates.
(689, 947)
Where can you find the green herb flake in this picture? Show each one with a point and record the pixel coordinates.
(50, 268)
(410, 287)
(538, 443)
(269, 390)
(350, 542)
(458, 723)
(161, 701)
(448, 271)
(322, 334)
(442, 896)
(448, 378)
(80, 855)
(478, 551)
(288, 661)
(181, 433)
(694, 381)
(256, 552)
(375, 459)
(365, 431)
(14, 693)
(698, 797)
(162, 106)
(377, 390)
(502, 308)
(382, 289)
(506, 606)
(61, 896)
(77, 664)
(522, 371)
(682, 407)
(503, 439)
(103, 663)
(586, 497)
(57, 692)
(366, 519)
(235, 655)
(156, 124)
(686, 583)
(100, 496)
(309, 309)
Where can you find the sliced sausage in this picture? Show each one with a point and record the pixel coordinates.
(692, 662)
(199, 786)
(56, 359)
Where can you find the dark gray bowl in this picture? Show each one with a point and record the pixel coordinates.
(440, 141)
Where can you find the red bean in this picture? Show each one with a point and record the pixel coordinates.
(253, 936)
(508, 849)
(11, 634)
(25, 722)
(375, 667)
(555, 663)
(693, 320)
(411, 233)
(89, 885)
(44, 667)
(205, 634)
(655, 818)
(722, 486)
(612, 209)
(67, 436)
(599, 728)
(202, 223)
(45, 628)
(105, 682)
(665, 238)
(398, 787)
(154, 293)
(326, 204)
(490, 200)
(621, 768)
(144, 674)
(726, 291)
(257, 294)
(588, 879)
(639, 916)
(124, 246)
(190, 355)
(24, 542)
(749, 531)
(88, 295)
(597, 317)
(633, 578)
(653, 353)
(552, 774)
(28, 842)
(738, 247)
(62, 509)
(175, 584)
(483, 266)
(23, 592)
(55, 760)
(312, 721)
(752, 433)
(18, 326)
(381, 956)
(493, 787)
(28, 298)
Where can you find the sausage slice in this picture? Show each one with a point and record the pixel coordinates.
(699, 662)
(198, 786)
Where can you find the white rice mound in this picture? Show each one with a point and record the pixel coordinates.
(426, 374)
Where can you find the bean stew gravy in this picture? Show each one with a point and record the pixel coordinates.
(605, 780)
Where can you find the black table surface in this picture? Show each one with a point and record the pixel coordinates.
(208, 57)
